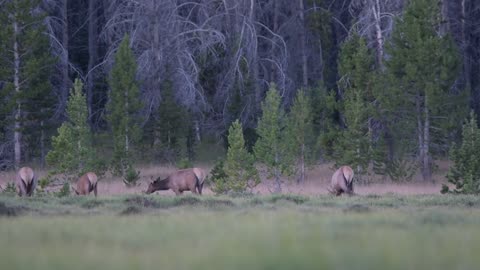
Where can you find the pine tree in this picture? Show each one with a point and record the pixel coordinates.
(172, 125)
(324, 114)
(72, 151)
(239, 167)
(271, 148)
(300, 132)
(123, 107)
(26, 101)
(356, 67)
(465, 172)
(421, 70)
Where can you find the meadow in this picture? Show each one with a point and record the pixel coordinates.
(134, 231)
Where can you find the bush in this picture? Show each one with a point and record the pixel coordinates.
(465, 173)
(131, 177)
(184, 163)
(64, 191)
(10, 189)
(218, 177)
(43, 183)
(239, 172)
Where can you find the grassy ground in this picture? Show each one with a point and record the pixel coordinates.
(258, 232)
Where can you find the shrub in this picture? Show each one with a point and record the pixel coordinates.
(465, 173)
(239, 167)
(10, 189)
(218, 177)
(184, 163)
(64, 191)
(131, 177)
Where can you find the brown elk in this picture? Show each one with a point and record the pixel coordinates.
(179, 181)
(342, 181)
(86, 184)
(26, 181)
(201, 175)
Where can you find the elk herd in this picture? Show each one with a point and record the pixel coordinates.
(191, 179)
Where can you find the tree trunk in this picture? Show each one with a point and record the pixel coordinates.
(65, 87)
(320, 48)
(303, 41)
(420, 130)
(17, 135)
(273, 67)
(426, 166)
(278, 186)
(127, 122)
(378, 33)
(197, 131)
(92, 54)
(255, 66)
(302, 165)
(42, 144)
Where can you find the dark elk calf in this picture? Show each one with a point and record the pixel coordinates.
(26, 182)
(178, 182)
(342, 181)
(86, 184)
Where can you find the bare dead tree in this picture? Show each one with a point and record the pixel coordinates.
(374, 21)
(57, 29)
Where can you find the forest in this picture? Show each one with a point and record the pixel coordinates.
(380, 84)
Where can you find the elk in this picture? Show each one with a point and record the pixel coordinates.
(178, 182)
(86, 184)
(201, 175)
(26, 182)
(342, 181)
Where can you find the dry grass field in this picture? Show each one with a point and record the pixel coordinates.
(317, 182)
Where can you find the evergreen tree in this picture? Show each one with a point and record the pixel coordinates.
(72, 151)
(465, 173)
(26, 100)
(356, 67)
(421, 70)
(172, 125)
(239, 167)
(271, 148)
(299, 132)
(123, 107)
(324, 115)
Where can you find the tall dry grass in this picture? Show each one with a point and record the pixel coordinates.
(317, 182)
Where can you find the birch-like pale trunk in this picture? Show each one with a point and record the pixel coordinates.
(92, 53)
(65, 87)
(42, 143)
(127, 122)
(278, 188)
(302, 164)
(378, 32)
(303, 41)
(17, 135)
(426, 166)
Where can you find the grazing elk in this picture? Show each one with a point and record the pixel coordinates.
(86, 184)
(201, 175)
(179, 181)
(26, 182)
(342, 181)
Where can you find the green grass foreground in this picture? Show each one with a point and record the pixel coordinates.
(272, 232)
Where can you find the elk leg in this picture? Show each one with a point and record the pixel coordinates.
(21, 189)
(200, 188)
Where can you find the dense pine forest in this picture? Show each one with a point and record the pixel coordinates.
(381, 85)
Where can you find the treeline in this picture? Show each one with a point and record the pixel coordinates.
(388, 83)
